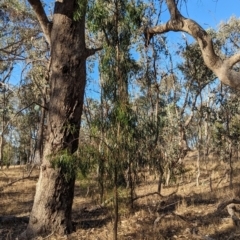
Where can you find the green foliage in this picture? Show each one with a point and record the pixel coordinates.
(101, 16)
(81, 163)
(194, 68)
(135, 14)
(98, 16)
(80, 9)
(123, 115)
(88, 156)
(9, 153)
(66, 162)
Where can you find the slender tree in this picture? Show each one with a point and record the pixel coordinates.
(119, 21)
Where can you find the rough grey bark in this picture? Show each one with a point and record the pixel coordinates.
(1, 146)
(38, 155)
(223, 68)
(2, 128)
(52, 206)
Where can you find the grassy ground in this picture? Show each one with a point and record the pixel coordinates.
(184, 211)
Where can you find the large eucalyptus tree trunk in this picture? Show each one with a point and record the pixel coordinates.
(52, 206)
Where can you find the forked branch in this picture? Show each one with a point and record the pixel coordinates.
(223, 68)
(42, 18)
(92, 51)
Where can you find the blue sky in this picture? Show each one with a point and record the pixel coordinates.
(208, 13)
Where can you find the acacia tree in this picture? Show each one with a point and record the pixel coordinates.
(65, 34)
(221, 67)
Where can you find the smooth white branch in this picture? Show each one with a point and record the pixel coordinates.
(223, 68)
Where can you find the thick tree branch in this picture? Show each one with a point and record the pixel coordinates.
(92, 51)
(222, 68)
(173, 10)
(191, 27)
(232, 206)
(233, 59)
(42, 18)
(222, 205)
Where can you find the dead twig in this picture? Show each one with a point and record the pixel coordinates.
(225, 203)
(4, 173)
(17, 180)
(147, 195)
(156, 193)
(48, 235)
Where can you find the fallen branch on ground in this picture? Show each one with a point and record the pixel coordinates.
(225, 203)
(231, 208)
(147, 195)
(156, 193)
(13, 219)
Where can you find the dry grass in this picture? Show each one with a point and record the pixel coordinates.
(189, 213)
(15, 200)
